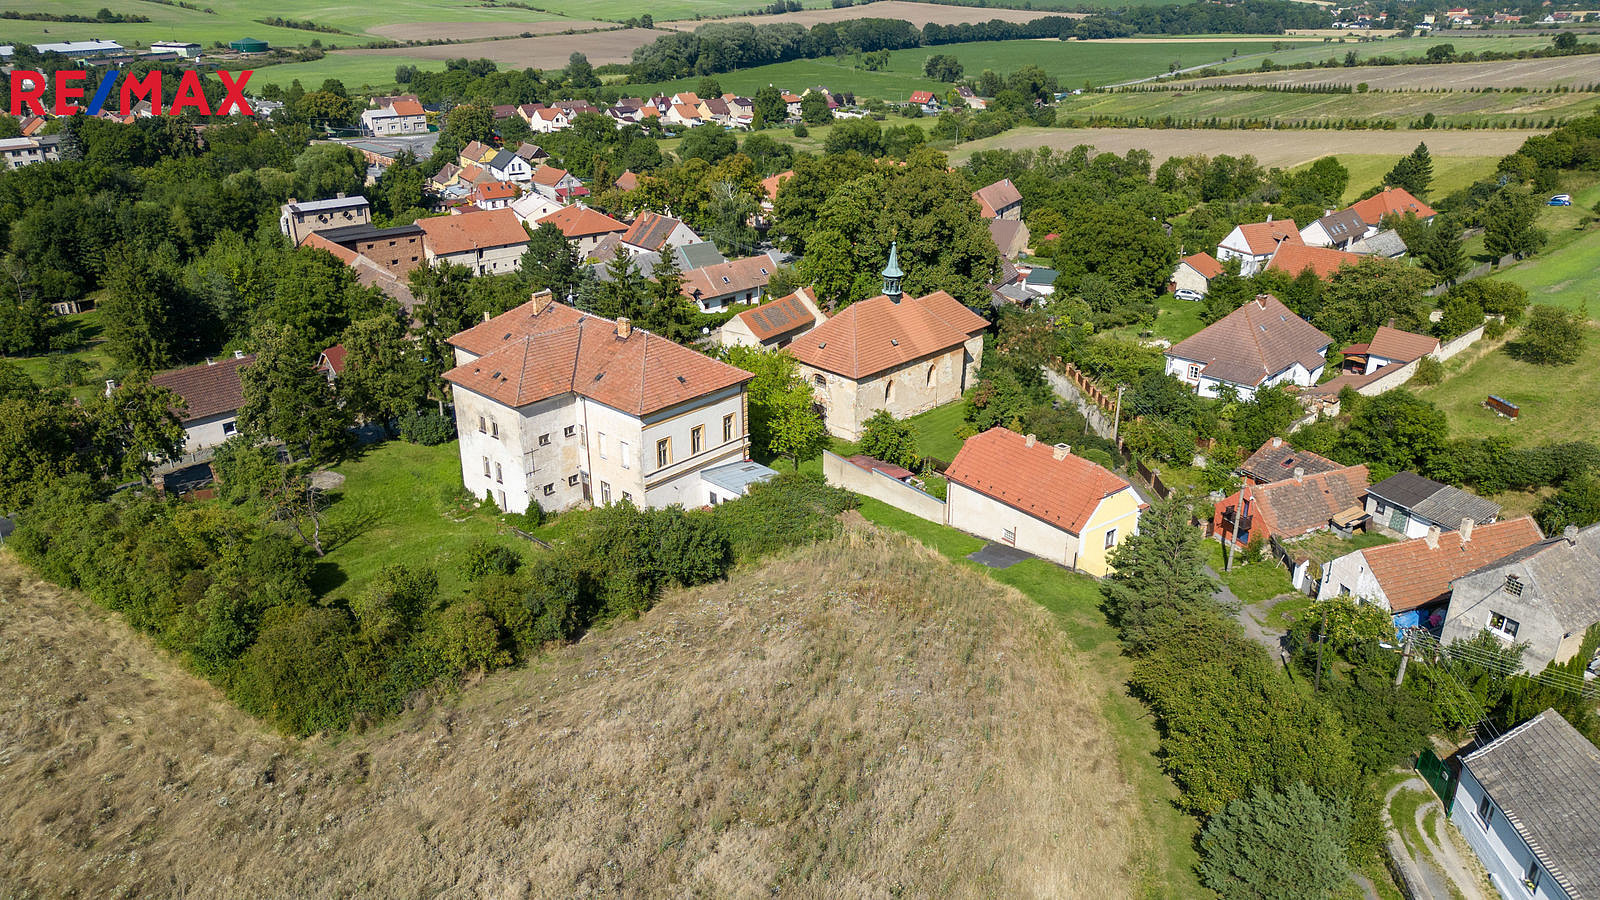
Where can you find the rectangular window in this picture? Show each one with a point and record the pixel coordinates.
(486, 467)
(502, 501)
(663, 452)
(494, 429)
(1532, 881)
(569, 431)
(499, 475)
(1009, 535)
(600, 442)
(713, 498)
(230, 427)
(622, 451)
(483, 427)
(1503, 626)
(1194, 373)
(605, 493)
(1111, 538)
(549, 489)
(727, 428)
(697, 439)
(572, 481)
(1485, 809)
(544, 439)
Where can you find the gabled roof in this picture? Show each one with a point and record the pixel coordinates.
(1392, 343)
(685, 111)
(530, 151)
(995, 197)
(1255, 341)
(1004, 233)
(1204, 263)
(1391, 201)
(1300, 505)
(476, 230)
(699, 256)
(1294, 258)
(406, 108)
(209, 389)
(651, 230)
(581, 221)
(1386, 244)
(1277, 460)
(1261, 238)
(1561, 571)
(875, 335)
(317, 241)
(921, 96)
(1026, 475)
(549, 176)
(771, 183)
(731, 277)
(778, 317)
(503, 160)
(716, 106)
(627, 181)
(476, 151)
(1342, 225)
(495, 190)
(530, 355)
(1413, 574)
(1544, 777)
(1406, 490)
(333, 359)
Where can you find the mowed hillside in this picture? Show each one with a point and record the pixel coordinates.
(860, 718)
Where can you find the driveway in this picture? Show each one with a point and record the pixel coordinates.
(1440, 869)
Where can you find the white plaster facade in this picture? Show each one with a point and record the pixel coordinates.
(1190, 372)
(212, 431)
(906, 390)
(485, 261)
(1502, 851)
(1113, 520)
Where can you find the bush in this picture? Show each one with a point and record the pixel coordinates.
(800, 130)
(1429, 371)
(427, 428)
(1495, 329)
(891, 440)
(1497, 298)
(483, 558)
(1277, 845)
(1552, 337)
(791, 510)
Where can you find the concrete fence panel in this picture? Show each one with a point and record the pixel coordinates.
(841, 472)
(1461, 343)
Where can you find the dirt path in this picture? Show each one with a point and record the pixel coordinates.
(1441, 871)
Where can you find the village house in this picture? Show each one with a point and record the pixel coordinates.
(1544, 596)
(584, 227)
(25, 151)
(1336, 229)
(1413, 577)
(330, 362)
(627, 181)
(1385, 244)
(1041, 499)
(1526, 804)
(558, 184)
(770, 185)
(1388, 347)
(1000, 200)
(212, 394)
(971, 99)
(475, 153)
(508, 166)
(1010, 236)
(776, 323)
(1194, 273)
(533, 206)
(891, 352)
(397, 250)
(927, 100)
(1294, 259)
(1391, 202)
(1296, 506)
(494, 195)
(715, 109)
(557, 407)
(531, 153)
(1256, 346)
(296, 219)
(547, 119)
(721, 285)
(652, 231)
(791, 104)
(1410, 504)
(489, 242)
(684, 115)
(1253, 244)
(1277, 460)
(368, 272)
(398, 117)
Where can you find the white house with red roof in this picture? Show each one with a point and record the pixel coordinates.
(557, 407)
(494, 195)
(489, 242)
(585, 228)
(212, 393)
(1039, 498)
(925, 99)
(400, 116)
(1391, 202)
(892, 352)
(558, 184)
(1253, 244)
(1194, 273)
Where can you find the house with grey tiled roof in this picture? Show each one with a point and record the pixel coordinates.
(1544, 597)
(1528, 804)
(1258, 345)
(1412, 505)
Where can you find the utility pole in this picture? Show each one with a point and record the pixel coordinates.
(1238, 514)
(1322, 635)
(1116, 417)
(1405, 657)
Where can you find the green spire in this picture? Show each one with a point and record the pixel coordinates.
(892, 275)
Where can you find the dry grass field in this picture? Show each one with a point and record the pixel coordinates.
(544, 52)
(1271, 148)
(918, 14)
(859, 719)
(1510, 73)
(477, 31)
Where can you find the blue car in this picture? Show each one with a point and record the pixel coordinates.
(1560, 200)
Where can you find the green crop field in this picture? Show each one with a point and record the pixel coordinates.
(1396, 47)
(1072, 62)
(1460, 108)
(357, 72)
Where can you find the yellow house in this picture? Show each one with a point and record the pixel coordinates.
(1039, 498)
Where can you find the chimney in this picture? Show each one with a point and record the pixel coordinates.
(486, 315)
(238, 354)
(541, 301)
(1277, 442)
(340, 196)
(111, 385)
(210, 361)
(293, 201)
(1571, 534)
(1432, 537)
(1269, 217)
(1466, 530)
(1029, 441)
(624, 327)
(1062, 451)
(1299, 473)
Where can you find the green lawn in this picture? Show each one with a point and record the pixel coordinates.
(47, 369)
(1556, 401)
(936, 430)
(362, 71)
(1252, 582)
(1399, 48)
(1175, 320)
(1074, 601)
(1450, 173)
(403, 503)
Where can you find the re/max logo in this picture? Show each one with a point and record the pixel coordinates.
(28, 91)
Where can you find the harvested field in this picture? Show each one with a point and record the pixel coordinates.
(1271, 148)
(547, 52)
(861, 718)
(1290, 109)
(1511, 73)
(918, 14)
(477, 31)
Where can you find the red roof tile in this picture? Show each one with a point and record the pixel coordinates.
(495, 190)
(651, 230)
(581, 221)
(476, 230)
(1294, 258)
(407, 108)
(1257, 340)
(208, 389)
(898, 473)
(535, 356)
(997, 196)
(1261, 238)
(781, 316)
(1404, 346)
(1276, 460)
(771, 183)
(731, 277)
(1204, 263)
(1063, 492)
(1298, 506)
(1413, 574)
(548, 176)
(333, 359)
(1391, 201)
(627, 181)
(875, 335)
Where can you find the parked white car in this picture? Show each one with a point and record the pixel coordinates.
(1193, 296)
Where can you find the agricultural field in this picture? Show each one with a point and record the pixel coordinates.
(918, 14)
(1297, 109)
(1450, 173)
(1286, 149)
(855, 714)
(1074, 63)
(1570, 71)
(1400, 48)
(541, 52)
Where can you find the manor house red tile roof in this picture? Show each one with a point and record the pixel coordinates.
(875, 335)
(1026, 474)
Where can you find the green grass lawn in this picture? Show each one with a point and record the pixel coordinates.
(403, 503)
(1175, 320)
(936, 430)
(1399, 48)
(1252, 582)
(47, 369)
(1450, 173)
(1074, 601)
(1556, 401)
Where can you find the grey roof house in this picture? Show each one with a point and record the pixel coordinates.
(1545, 596)
(1528, 804)
(1410, 504)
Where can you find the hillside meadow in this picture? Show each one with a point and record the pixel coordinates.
(858, 718)
(1294, 109)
